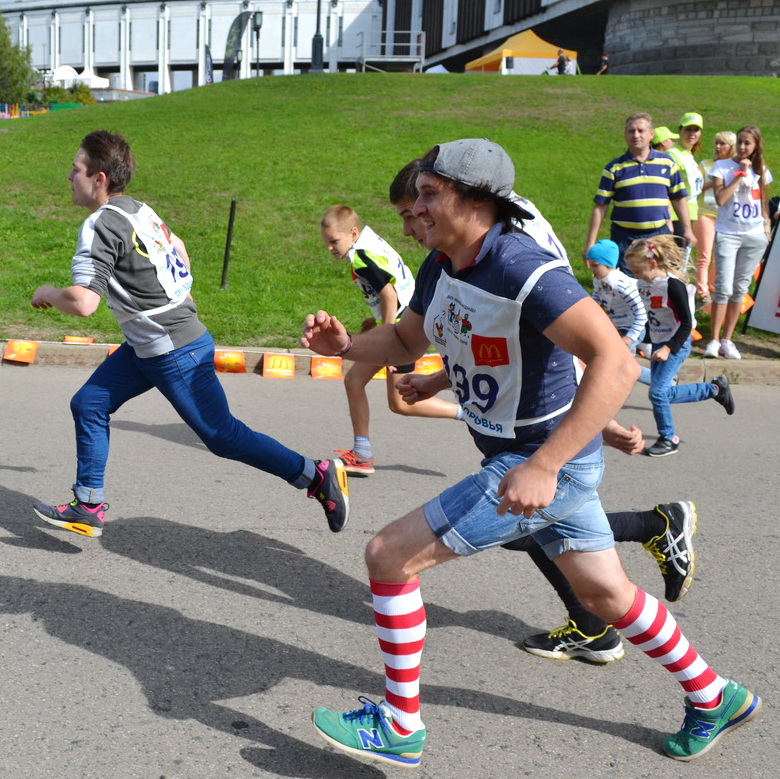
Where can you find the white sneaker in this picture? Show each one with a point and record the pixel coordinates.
(713, 349)
(728, 350)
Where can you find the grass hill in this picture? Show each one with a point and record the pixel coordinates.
(288, 147)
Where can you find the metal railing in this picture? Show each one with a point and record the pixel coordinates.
(382, 48)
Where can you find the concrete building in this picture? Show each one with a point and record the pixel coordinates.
(642, 37)
(176, 44)
(160, 46)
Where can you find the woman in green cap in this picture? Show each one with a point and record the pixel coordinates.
(688, 145)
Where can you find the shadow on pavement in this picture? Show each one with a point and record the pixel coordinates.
(217, 558)
(16, 516)
(185, 667)
(410, 469)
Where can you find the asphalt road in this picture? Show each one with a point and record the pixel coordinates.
(193, 640)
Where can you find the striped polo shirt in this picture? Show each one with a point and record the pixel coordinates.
(640, 191)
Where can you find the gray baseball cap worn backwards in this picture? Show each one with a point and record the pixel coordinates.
(476, 162)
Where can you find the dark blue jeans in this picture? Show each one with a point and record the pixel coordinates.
(186, 377)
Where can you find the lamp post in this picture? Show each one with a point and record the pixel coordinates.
(316, 46)
(257, 23)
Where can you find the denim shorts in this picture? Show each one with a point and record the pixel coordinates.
(464, 517)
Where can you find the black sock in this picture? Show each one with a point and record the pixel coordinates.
(587, 623)
(636, 525)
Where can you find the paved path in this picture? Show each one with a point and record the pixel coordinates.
(195, 637)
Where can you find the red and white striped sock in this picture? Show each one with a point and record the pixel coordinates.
(400, 626)
(649, 625)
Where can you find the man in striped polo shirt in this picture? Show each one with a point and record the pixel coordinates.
(640, 184)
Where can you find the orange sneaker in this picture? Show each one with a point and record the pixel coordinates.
(354, 464)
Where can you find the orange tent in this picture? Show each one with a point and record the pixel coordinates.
(530, 56)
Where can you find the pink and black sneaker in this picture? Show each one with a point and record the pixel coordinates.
(74, 516)
(330, 489)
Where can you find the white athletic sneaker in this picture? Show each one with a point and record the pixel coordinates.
(728, 350)
(713, 349)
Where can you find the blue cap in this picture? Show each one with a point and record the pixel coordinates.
(605, 252)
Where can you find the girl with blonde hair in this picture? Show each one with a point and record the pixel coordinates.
(704, 228)
(659, 268)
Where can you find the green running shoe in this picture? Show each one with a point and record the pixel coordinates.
(368, 732)
(702, 728)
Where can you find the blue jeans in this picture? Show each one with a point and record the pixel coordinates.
(186, 377)
(644, 375)
(662, 394)
(464, 516)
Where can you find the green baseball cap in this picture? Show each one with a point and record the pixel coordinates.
(692, 118)
(662, 134)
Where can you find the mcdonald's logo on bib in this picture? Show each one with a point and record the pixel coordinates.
(489, 351)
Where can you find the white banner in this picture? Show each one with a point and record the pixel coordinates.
(765, 314)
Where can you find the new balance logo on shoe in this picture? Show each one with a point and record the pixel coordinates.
(370, 739)
(701, 729)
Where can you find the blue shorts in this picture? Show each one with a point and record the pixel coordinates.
(464, 517)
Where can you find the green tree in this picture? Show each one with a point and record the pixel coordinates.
(54, 93)
(81, 93)
(16, 71)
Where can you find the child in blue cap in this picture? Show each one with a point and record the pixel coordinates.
(617, 294)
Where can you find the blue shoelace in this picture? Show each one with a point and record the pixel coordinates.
(369, 710)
